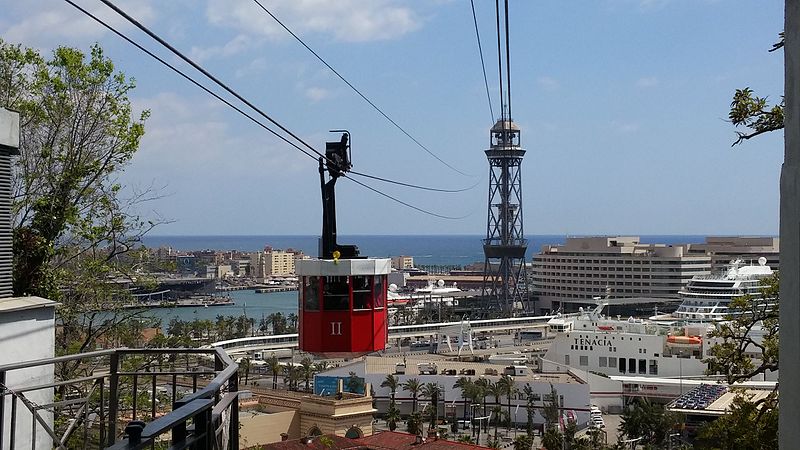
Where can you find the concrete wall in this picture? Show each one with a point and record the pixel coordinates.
(260, 429)
(27, 335)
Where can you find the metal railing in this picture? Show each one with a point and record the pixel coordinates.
(123, 399)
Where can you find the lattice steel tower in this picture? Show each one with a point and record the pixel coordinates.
(505, 282)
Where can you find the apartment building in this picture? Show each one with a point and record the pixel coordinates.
(272, 263)
(402, 262)
(621, 267)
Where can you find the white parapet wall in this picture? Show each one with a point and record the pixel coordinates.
(27, 333)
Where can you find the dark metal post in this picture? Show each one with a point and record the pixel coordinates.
(113, 399)
(13, 431)
(102, 430)
(135, 395)
(233, 386)
(2, 404)
(153, 403)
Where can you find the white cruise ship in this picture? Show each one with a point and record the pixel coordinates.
(707, 298)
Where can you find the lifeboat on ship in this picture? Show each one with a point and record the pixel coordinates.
(684, 341)
(605, 328)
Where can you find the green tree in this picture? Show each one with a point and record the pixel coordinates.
(392, 416)
(648, 421)
(432, 391)
(523, 442)
(72, 226)
(275, 369)
(414, 423)
(529, 407)
(747, 426)
(413, 386)
(731, 357)
(509, 389)
(308, 369)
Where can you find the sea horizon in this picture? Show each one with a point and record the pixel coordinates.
(431, 249)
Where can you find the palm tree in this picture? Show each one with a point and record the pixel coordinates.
(412, 385)
(392, 382)
(467, 386)
(274, 366)
(497, 413)
(506, 385)
(392, 417)
(308, 369)
(433, 391)
(482, 385)
(293, 322)
(244, 366)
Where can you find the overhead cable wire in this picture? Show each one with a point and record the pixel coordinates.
(256, 121)
(508, 64)
(413, 186)
(499, 59)
(364, 97)
(430, 213)
(190, 79)
(483, 64)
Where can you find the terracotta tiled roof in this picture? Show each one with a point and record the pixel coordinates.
(338, 443)
(403, 441)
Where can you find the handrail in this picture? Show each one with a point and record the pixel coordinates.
(205, 406)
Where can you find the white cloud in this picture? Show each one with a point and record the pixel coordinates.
(235, 46)
(647, 82)
(47, 23)
(316, 94)
(345, 20)
(548, 83)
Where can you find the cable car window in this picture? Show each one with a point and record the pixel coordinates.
(311, 293)
(362, 292)
(378, 291)
(336, 294)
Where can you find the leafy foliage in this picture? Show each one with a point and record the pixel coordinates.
(74, 238)
(735, 356)
(648, 421)
(754, 112)
(748, 426)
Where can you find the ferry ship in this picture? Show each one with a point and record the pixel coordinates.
(616, 346)
(707, 298)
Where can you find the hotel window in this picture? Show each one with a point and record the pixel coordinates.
(584, 361)
(603, 361)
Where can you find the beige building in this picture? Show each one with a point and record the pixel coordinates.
(295, 415)
(588, 267)
(272, 263)
(402, 262)
(724, 249)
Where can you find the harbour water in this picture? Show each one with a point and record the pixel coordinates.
(245, 303)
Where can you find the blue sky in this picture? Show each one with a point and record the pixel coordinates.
(622, 105)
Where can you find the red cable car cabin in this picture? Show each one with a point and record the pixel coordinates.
(343, 306)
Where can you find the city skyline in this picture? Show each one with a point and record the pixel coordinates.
(622, 106)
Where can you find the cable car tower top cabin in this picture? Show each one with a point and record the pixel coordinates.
(342, 295)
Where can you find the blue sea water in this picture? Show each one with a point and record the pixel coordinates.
(426, 249)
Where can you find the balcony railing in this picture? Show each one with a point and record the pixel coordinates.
(124, 399)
